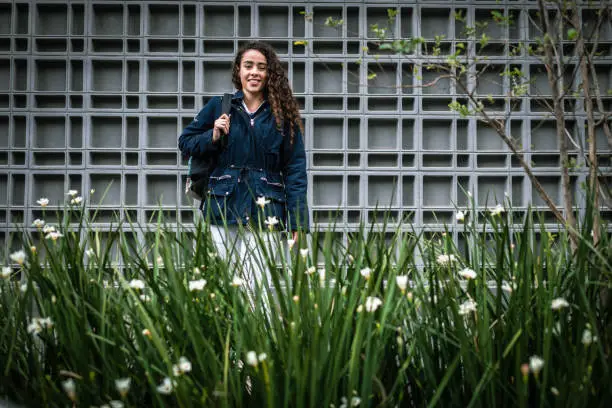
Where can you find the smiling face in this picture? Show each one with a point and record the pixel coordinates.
(253, 73)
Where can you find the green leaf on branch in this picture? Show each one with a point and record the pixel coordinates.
(460, 108)
(333, 22)
(484, 40)
(371, 75)
(572, 34)
(300, 42)
(392, 13)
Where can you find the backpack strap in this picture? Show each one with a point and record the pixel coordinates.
(226, 106)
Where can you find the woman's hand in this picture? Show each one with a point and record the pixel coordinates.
(221, 126)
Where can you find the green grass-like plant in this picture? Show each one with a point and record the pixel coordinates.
(384, 318)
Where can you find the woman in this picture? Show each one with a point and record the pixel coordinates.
(260, 178)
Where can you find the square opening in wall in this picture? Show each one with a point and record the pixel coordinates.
(490, 80)
(491, 190)
(437, 191)
(273, 21)
(161, 189)
(49, 186)
(435, 22)
(217, 76)
(493, 29)
(487, 138)
(163, 76)
(433, 82)
(379, 17)
(219, 21)
(543, 135)
(327, 21)
(436, 134)
(52, 19)
(50, 76)
(552, 187)
(327, 133)
(382, 134)
(107, 19)
(108, 189)
(164, 20)
(382, 78)
(50, 132)
(105, 132)
(383, 191)
(107, 76)
(161, 132)
(327, 77)
(327, 190)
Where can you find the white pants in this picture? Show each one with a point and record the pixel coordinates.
(250, 259)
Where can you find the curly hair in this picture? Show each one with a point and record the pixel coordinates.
(285, 108)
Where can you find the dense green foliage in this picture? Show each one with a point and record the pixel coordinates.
(385, 318)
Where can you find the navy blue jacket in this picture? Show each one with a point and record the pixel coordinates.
(258, 161)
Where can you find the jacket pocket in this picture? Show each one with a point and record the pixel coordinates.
(271, 189)
(220, 194)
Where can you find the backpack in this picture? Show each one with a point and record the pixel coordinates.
(200, 168)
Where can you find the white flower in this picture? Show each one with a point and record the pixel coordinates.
(43, 202)
(402, 282)
(261, 201)
(304, 252)
(311, 270)
(72, 193)
(183, 366)
(587, 337)
(554, 391)
(262, 356)
(18, 256)
(290, 243)
(460, 216)
(366, 272)
(444, 259)
(38, 324)
(123, 385)
(136, 284)
(38, 223)
(23, 288)
(6, 272)
(467, 307)
(90, 252)
(535, 364)
(69, 388)
(271, 222)
(54, 235)
(48, 228)
(93, 190)
(372, 303)
(115, 404)
(251, 358)
(558, 303)
(197, 285)
(237, 281)
(497, 210)
(76, 200)
(355, 401)
(467, 273)
(145, 298)
(166, 386)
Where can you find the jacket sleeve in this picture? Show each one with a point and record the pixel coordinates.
(296, 184)
(196, 138)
